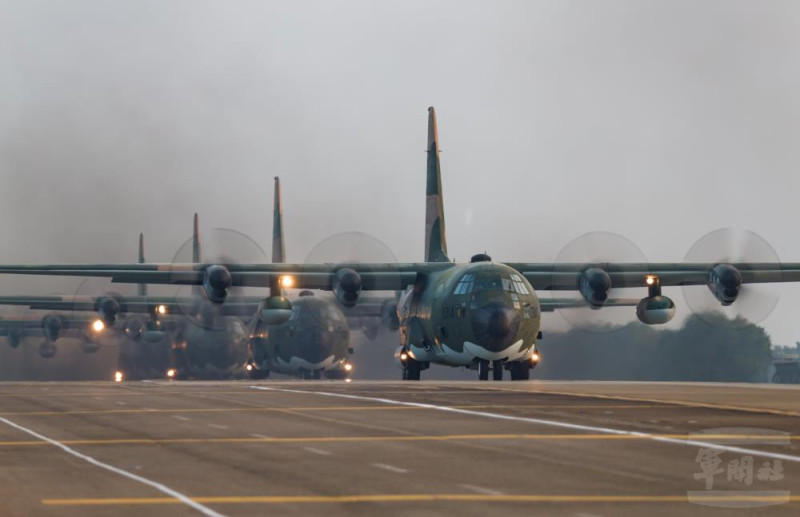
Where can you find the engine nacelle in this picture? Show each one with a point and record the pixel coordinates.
(51, 327)
(47, 350)
(371, 327)
(655, 310)
(275, 310)
(724, 281)
(594, 285)
(107, 308)
(347, 286)
(88, 346)
(389, 315)
(15, 337)
(216, 281)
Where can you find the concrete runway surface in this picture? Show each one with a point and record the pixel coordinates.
(426, 448)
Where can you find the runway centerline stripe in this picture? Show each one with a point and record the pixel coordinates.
(124, 473)
(550, 423)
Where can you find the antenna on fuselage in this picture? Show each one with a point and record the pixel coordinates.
(435, 235)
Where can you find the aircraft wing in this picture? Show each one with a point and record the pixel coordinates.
(387, 276)
(237, 306)
(553, 304)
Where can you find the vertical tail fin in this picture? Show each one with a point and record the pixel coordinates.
(435, 238)
(197, 253)
(278, 245)
(141, 288)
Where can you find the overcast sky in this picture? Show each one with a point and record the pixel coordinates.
(659, 121)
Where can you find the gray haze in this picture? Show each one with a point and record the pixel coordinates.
(660, 121)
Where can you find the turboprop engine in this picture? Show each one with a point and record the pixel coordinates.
(107, 308)
(594, 285)
(216, 281)
(15, 337)
(347, 286)
(51, 327)
(724, 281)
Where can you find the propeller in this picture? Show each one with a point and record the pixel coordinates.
(595, 249)
(755, 301)
(219, 246)
(355, 247)
(95, 299)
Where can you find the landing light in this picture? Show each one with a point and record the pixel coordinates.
(171, 373)
(161, 309)
(404, 356)
(248, 367)
(348, 367)
(118, 376)
(286, 281)
(98, 325)
(535, 357)
(650, 279)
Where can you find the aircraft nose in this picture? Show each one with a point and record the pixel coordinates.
(495, 326)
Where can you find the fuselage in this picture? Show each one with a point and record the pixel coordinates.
(316, 338)
(469, 312)
(215, 348)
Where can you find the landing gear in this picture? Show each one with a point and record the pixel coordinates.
(411, 370)
(497, 370)
(255, 373)
(483, 370)
(520, 370)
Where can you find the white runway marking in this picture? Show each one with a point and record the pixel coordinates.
(181, 417)
(481, 490)
(390, 468)
(259, 436)
(124, 473)
(552, 423)
(218, 426)
(317, 451)
(121, 403)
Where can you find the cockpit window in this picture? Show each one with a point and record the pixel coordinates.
(484, 284)
(465, 284)
(519, 284)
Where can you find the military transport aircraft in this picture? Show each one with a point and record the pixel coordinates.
(190, 337)
(482, 313)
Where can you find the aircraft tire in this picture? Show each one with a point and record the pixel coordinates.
(483, 370)
(411, 371)
(520, 371)
(497, 370)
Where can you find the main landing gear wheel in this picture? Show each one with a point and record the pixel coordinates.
(483, 370)
(497, 370)
(520, 370)
(255, 374)
(411, 370)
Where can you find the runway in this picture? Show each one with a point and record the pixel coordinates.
(428, 448)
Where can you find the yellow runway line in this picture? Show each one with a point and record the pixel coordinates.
(663, 402)
(759, 439)
(309, 408)
(410, 498)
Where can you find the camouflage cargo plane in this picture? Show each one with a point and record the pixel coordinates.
(185, 337)
(482, 314)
